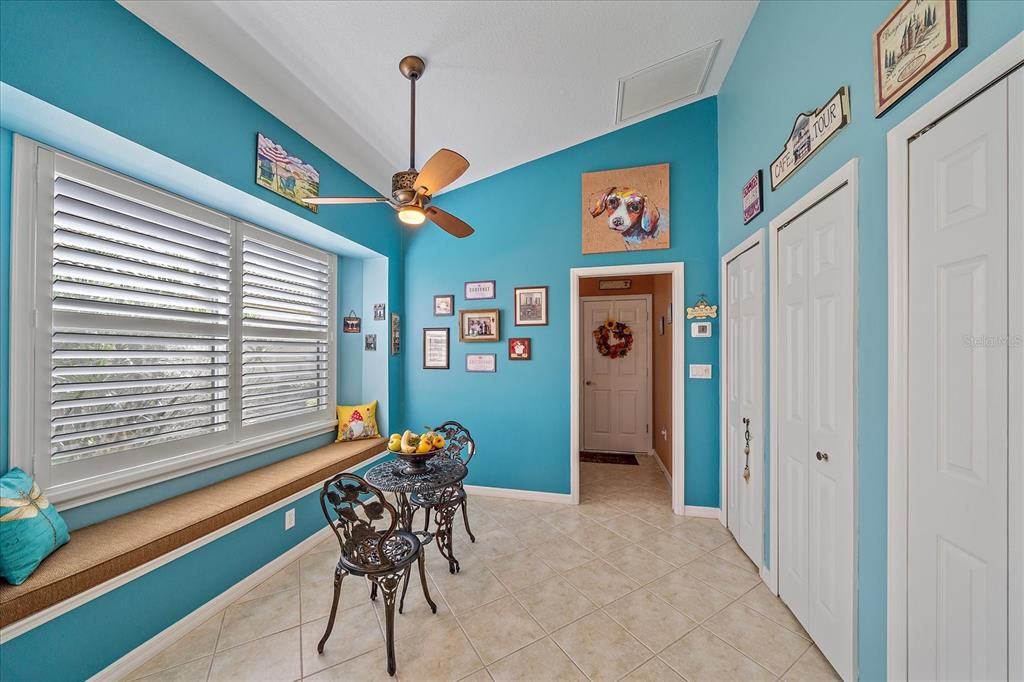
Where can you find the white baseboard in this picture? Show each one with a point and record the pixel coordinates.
(514, 494)
(661, 465)
(766, 576)
(157, 643)
(701, 512)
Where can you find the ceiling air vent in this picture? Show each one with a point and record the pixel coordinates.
(669, 82)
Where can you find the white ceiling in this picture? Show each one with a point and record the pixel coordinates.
(505, 83)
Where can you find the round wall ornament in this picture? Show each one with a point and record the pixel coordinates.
(614, 339)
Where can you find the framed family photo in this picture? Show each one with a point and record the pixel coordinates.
(531, 306)
(444, 304)
(436, 348)
(479, 325)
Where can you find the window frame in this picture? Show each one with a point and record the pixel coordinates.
(33, 168)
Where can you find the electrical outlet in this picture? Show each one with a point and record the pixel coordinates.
(289, 519)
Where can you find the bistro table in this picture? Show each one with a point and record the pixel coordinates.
(442, 474)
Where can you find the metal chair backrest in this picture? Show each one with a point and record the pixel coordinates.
(363, 521)
(458, 443)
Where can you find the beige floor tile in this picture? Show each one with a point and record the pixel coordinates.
(499, 628)
(659, 516)
(649, 619)
(600, 647)
(316, 597)
(597, 538)
(629, 527)
(562, 553)
(530, 532)
(490, 545)
(520, 570)
(689, 595)
(200, 642)
(767, 604)
(417, 614)
(567, 521)
(722, 575)
(654, 670)
(370, 667)
(704, 536)
(193, 671)
(315, 568)
(732, 553)
(282, 581)
(465, 592)
(328, 543)
(811, 667)
(258, 618)
(355, 632)
(599, 511)
(480, 675)
(701, 656)
(761, 639)
(441, 653)
(554, 603)
(271, 659)
(600, 582)
(641, 565)
(673, 550)
(542, 660)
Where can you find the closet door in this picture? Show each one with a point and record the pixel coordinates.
(958, 387)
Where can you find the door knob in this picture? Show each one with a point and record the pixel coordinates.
(588, 383)
(822, 456)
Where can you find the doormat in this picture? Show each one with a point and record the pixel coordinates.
(608, 457)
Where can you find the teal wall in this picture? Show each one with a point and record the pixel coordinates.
(527, 223)
(794, 56)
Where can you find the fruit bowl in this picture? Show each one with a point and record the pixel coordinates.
(416, 462)
(410, 449)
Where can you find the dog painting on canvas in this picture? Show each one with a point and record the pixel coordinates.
(626, 210)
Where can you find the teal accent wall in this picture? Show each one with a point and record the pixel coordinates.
(528, 233)
(794, 56)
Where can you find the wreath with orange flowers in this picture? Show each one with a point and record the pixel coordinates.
(617, 349)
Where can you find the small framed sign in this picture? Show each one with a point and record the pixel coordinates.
(444, 305)
(351, 323)
(753, 197)
(811, 130)
(519, 349)
(481, 362)
(475, 291)
(611, 284)
(436, 347)
(378, 312)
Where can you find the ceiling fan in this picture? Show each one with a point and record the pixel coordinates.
(412, 190)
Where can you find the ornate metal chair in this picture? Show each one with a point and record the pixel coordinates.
(459, 444)
(372, 545)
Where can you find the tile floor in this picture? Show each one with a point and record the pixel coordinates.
(616, 588)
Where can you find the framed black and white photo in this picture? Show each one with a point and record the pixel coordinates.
(444, 305)
(479, 325)
(396, 334)
(531, 306)
(378, 311)
(436, 348)
(371, 342)
(481, 362)
(475, 291)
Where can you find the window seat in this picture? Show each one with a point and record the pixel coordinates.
(108, 549)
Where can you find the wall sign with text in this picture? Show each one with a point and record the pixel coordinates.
(753, 197)
(811, 130)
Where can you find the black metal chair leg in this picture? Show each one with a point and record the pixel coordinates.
(339, 575)
(405, 586)
(423, 582)
(390, 590)
(465, 520)
(426, 523)
(373, 591)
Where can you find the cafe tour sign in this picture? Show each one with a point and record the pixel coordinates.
(811, 131)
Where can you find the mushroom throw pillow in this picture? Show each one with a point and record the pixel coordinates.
(357, 421)
(30, 528)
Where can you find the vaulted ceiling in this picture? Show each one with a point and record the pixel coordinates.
(505, 83)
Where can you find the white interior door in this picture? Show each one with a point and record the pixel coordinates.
(616, 393)
(745, 398)
(958, 419)
(817, 423)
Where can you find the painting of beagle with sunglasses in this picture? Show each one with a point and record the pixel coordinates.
(627, 216)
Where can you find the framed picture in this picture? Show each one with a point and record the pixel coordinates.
(284, 174)
(519, 349)
(531, 306)
(913, 43)
(479, 325)
(396, 334)
(481, 362)
(436, 348)
(444, 304)
(378, 311)
(475, 291)
(626, 210)
(371, 342)
(351, 323)
(753, 197)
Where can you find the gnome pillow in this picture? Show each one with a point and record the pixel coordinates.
(357, 421)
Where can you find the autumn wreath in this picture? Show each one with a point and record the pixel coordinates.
(624, 339)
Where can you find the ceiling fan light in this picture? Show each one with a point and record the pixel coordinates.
(412, 215)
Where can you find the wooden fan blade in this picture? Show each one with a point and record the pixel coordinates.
(449, 223)
(440, 170)
(320, 201)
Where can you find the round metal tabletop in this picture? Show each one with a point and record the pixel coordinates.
(441, 473)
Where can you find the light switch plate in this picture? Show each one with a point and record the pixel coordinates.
(289, 519)
(700, 371)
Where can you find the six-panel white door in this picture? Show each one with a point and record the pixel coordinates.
(616, 393)
(744, 316)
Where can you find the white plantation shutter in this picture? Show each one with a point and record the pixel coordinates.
(165, 334)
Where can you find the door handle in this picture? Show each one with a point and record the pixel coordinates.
(587, 383)
(822, 456)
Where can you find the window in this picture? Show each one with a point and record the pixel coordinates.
(153, 336)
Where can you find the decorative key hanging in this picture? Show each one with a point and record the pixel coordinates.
(746, 449)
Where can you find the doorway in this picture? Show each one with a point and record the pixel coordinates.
(813, 389)
(743, 425)
(657, 407)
